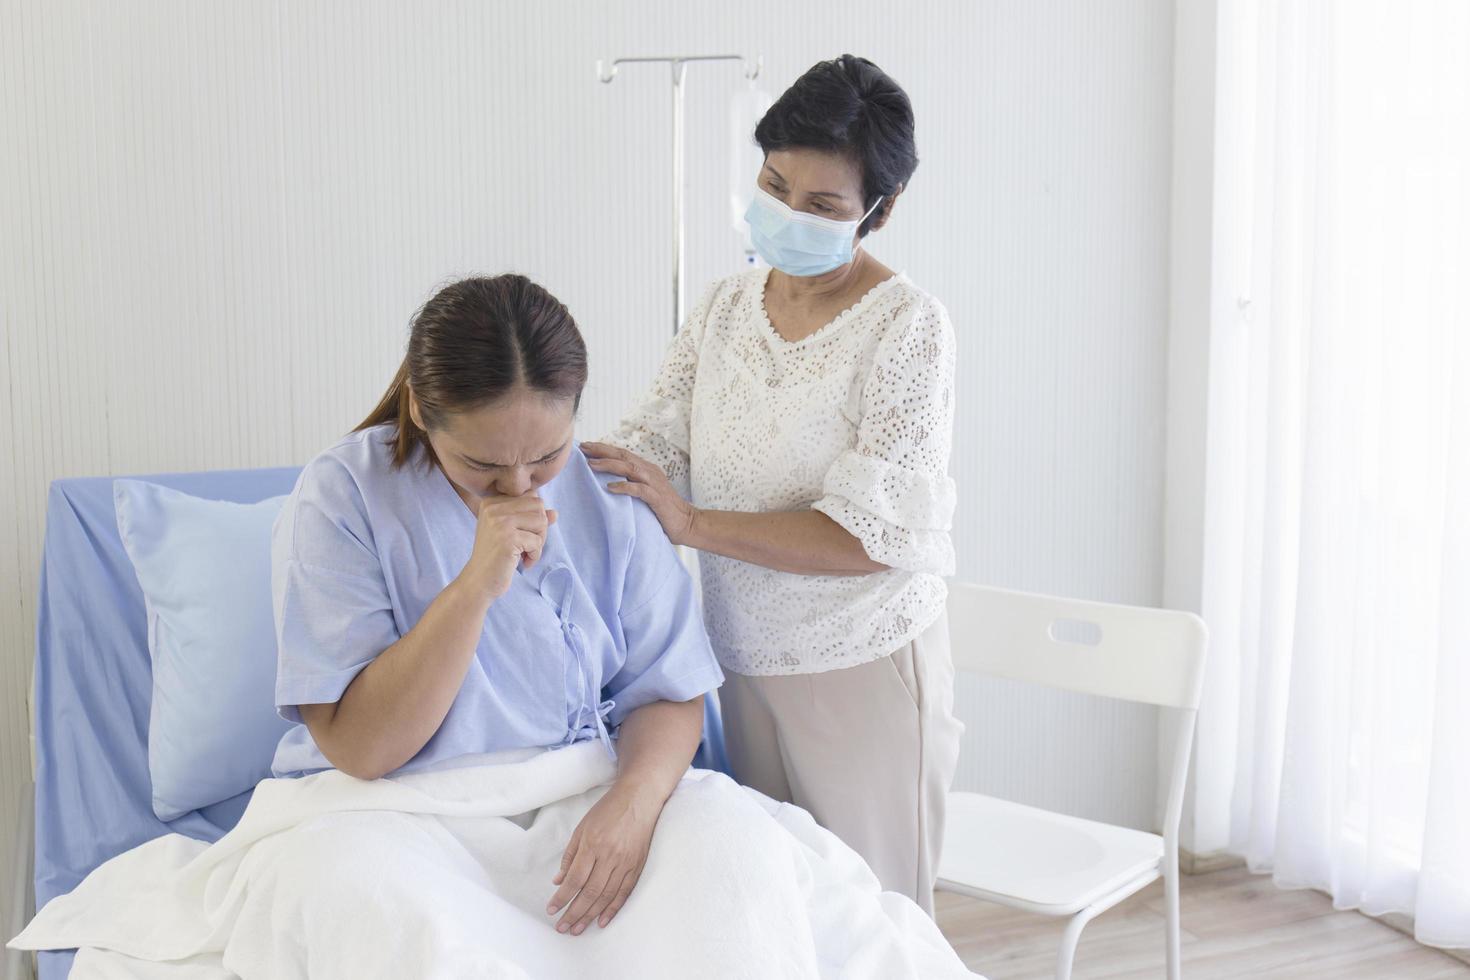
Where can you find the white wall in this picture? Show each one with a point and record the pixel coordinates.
(1203, 114)
(215, 221)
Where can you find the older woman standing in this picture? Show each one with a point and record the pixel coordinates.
(798, 435)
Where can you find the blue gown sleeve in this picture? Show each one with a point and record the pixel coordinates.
(332, 607)
(668, 652)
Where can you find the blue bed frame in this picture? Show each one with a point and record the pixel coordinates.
(94, 688)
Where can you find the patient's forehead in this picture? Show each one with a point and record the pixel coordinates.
(520, 427)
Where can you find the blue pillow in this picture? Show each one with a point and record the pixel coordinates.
(205, 569)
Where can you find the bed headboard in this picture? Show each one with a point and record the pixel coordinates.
(93, 687)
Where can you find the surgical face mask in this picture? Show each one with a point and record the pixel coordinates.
(798, 243)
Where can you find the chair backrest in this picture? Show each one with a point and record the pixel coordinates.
(1155, 656)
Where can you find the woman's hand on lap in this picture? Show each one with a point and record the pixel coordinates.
(605, 858)
(646, 481)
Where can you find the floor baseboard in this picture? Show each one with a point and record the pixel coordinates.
(1202, 864)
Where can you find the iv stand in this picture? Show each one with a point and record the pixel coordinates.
(679, 63)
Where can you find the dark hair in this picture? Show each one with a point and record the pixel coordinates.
(473, 342)
(848, 105)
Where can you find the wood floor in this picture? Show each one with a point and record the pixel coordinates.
(1234, 924)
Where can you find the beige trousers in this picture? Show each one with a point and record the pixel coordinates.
(870, 751)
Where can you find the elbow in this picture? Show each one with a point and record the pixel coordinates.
(364, 772)
(359, 765)
(362, 761)
(345, 754)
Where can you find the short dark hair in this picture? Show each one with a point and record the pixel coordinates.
(849, 105)
(474, 341)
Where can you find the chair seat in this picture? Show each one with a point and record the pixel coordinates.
(1038, 860)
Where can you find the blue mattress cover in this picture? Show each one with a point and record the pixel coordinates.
(94, 687)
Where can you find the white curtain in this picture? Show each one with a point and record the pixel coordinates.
(1338, 554)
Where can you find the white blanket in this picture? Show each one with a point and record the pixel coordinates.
(447, 874)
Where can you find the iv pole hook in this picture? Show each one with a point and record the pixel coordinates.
(607, 71)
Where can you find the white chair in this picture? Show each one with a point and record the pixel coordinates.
(1036, 860)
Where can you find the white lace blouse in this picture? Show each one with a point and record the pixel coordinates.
(855, 421)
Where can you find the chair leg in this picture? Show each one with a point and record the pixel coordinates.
(1171, 919)
(1069, 944)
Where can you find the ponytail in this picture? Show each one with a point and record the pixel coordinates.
(393, 407)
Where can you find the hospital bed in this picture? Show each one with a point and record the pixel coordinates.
(93, 689)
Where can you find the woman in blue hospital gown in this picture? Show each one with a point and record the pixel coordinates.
(452, 579)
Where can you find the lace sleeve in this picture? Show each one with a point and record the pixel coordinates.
(892, 490)
(657, 426)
